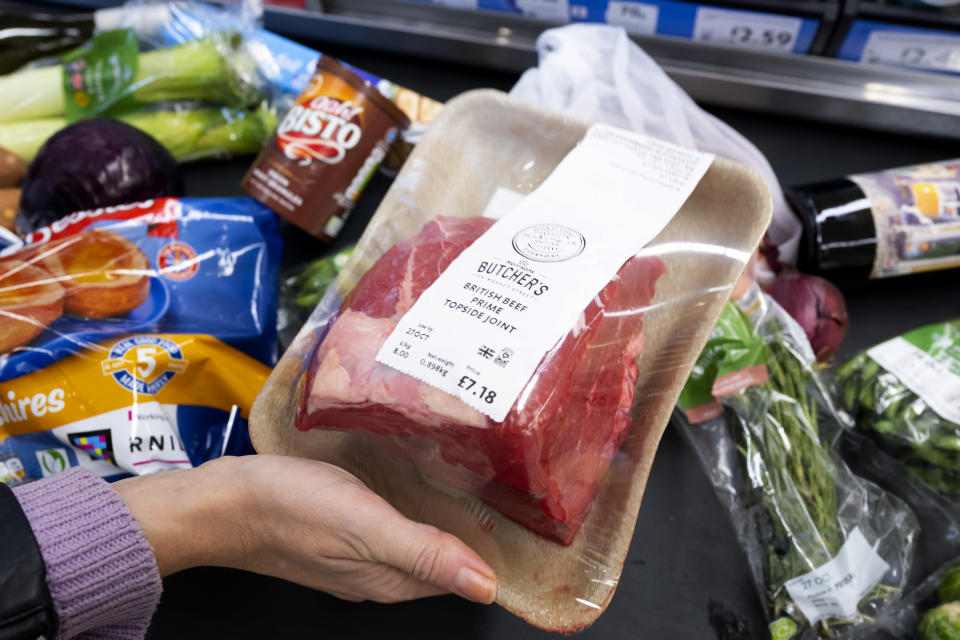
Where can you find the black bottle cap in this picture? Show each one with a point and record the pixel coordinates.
(839, 236)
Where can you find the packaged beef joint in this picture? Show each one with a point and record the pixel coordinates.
(537, 463)
(521, 358)
(134, 338)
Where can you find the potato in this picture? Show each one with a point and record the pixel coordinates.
(9, 203)
(12, 169)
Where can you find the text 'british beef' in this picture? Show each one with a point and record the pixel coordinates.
(543, 464)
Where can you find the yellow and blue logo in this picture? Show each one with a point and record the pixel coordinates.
(144, 364)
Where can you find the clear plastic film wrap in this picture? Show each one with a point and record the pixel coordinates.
(181, 71)
(301, 290)
(548, 492)
(133, 339)
(829, 551)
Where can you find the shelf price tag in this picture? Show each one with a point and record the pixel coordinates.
(553, 10)
(457, 4)
(746, 29)
(911, 49)
(635, 17)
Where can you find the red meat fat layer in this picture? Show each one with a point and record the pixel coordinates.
(543, 464)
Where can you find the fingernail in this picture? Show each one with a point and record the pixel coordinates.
(474, 586)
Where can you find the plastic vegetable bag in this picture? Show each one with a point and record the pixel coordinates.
(596, 73)
(301, 290)
(828, 550)
(180, 72)
(134, 338)
(930, 611)
(500, 453)
(903, 395)
(906, 394)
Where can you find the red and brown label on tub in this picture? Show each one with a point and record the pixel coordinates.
(321, 128)
(325, 149)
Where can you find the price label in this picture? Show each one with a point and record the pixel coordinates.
(918, 50)
(551, 10)
(834, 589)
(932, 380)
(635, 17)
(480, 330)
(746, 29)
(457, 4)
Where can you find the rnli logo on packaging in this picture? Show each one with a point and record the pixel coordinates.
(177, 261)
(323, 128)
(144, 364)
(549, 243)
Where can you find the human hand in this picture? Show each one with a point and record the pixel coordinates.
(305, 521)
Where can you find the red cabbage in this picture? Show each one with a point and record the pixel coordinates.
(94, 163)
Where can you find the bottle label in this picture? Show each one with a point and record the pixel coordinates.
(916, 211)
(97, 77)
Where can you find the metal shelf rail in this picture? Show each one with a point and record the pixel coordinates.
(823, 89)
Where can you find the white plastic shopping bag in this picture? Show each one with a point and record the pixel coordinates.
(596, 73)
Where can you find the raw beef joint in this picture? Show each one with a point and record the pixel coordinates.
(543, 464)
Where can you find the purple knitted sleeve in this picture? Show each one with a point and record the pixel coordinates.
(100, 568)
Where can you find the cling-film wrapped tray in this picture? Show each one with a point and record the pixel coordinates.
(548, 491)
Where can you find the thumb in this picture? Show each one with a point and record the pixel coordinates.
(435, 557)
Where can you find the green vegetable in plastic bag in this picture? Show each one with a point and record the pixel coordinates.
(911, 404)
(189, 134)
(941, 623)
(762, 424)
(301, 290)
(949, 587)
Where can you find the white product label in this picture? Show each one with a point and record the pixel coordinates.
(501, 202)
(747, 29)
(552, 10)
(937, 385)
(833, 589)
(919, 50)
(138, 440)
(459, 4)
(635, 17)
(479, 331)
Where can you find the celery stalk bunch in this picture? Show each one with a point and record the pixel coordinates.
(189, 134)
(213, 69)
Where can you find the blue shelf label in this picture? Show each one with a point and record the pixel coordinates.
(758, 30)
(881, 43)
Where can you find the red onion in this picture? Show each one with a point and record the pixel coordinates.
(817, 306)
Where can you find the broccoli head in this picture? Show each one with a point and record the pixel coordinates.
(941, 623)
(949, 589)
